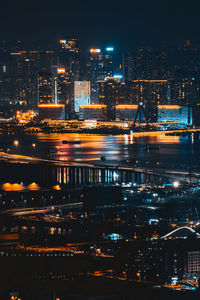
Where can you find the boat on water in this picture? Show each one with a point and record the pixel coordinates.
(103, 158)
(70, 142)
(149, 148)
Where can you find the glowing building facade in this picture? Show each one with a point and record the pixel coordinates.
(99, 66)
(45, 87)
(126, 112)
(69, 57)
(51, 112)
(111, 93)
(149, 92)
(182, 115)
(81, 94)
(93, 112)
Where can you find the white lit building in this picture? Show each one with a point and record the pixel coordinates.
(81, 94)
(193, 263)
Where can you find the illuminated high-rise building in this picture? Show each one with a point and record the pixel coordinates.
(111, 93)
(19, 72)
(69, 57)
(150, 93)
(144, 63)
(99, 66)
(45, 87)
(63, 90)
(108, 61)
(95, 71)
(22, 68)
(81, 94)
(50, 90)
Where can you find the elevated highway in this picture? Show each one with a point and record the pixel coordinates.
(78, 172)
(39, 210)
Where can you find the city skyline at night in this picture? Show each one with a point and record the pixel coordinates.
(99, 150)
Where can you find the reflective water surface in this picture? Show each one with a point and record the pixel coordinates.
(173, 149)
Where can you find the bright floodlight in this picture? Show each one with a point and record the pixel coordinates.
(176, 184)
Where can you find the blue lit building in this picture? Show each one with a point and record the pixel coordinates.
(175, 113)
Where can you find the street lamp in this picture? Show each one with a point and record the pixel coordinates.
(139, 276)
(16, 143)
(33, 145)
(176, 184)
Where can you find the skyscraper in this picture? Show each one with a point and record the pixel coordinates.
(99, 66)
(5, 78)
(149, 92)
(69, 57)
(81, 94)
(45, 87)
(111, 93)
(144, 63)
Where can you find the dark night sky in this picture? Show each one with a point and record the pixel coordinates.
(123, 22)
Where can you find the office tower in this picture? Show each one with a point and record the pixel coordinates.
(184, 59)
(81, 94)
(95, 71)
(193, 267)
(144, 63)
(108, 61)
(47, 59)
(19, 73)
(111, 93)
(5, 78)
(128, 66)
(48, 90)
(62, 86)
(183, 91)
(45, 87)
(69, 57)
(99, 66)
(23, 68)
(150, 93)
(19, 70)
(33, 61)
(63, 90)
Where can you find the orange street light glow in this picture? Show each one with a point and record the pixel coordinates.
(51, 105)
(61, 70)
(33, 187)
(169, 106)
(93, 106)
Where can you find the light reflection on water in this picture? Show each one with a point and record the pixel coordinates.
(177, 149)
(92, 147)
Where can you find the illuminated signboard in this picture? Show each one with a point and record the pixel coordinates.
(61, 70)
(118, 76)
(110, 49)
(63, 41)
(95, 50)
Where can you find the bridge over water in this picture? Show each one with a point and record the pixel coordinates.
(27, 169)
